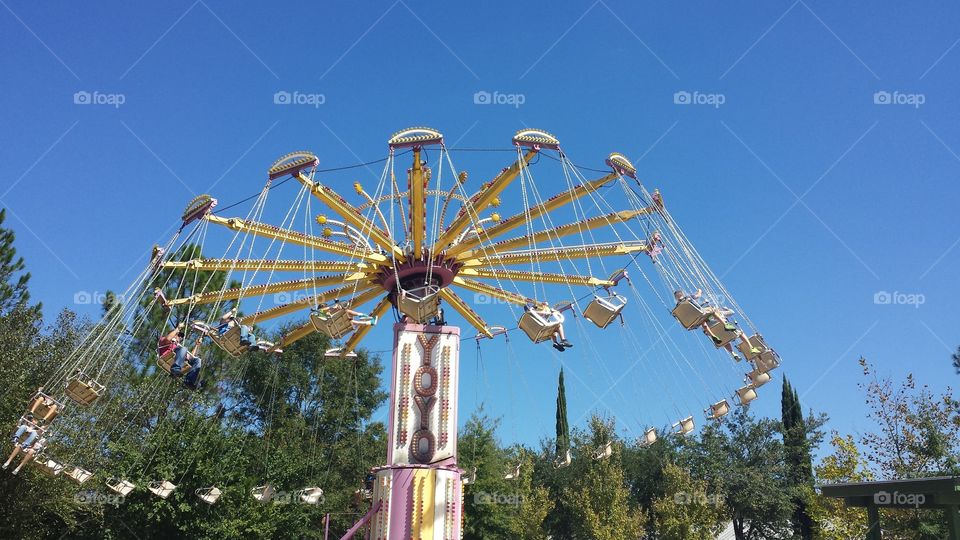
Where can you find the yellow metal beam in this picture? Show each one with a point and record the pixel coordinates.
(294, 237)
(418, 203)
(378, 311)
(270, 288)
(492, 292)
(535, 277)
(463, 309)
(558, 254)
(351, 215)
(470, 212)
(556, 232)
(517, 220)
(226, 265)
(309, 302)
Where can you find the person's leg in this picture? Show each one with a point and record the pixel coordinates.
(16, 450)
(194, 374)
(27, 458)
(179, 358)
(51, 412)
(246, 338)
(21, 429)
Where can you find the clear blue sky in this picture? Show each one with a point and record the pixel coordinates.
(803, 192)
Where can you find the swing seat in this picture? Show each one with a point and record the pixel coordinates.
(755, 342)
(718, 410)
(724, 336)
(229, 341)
(338, 352)
(767, 360)
(470, 478)
(649, 437)
(689, 314)
(79, 475)
(683, 426)
(540, 326)
(757, 378)
(42, 404)
(364, 494)
(161, 488)
(209, 495)
(604, 452)
(745, 395)
(166, 363)
(263, 493)
(604, 310)
(564, 462)
(514, 474)
(335, 325)
(310, 495)
(420, 304)
(83, 390)
(48, 466)
(120, 487)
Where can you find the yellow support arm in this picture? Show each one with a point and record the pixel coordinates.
(463, 309)
(351, 215)
(470, 213)
(556, 232)
(307, 303)
(270, 288)
(226, 265)
(517, 220)
(294, 237)
(378, 311)
(418, 203)
(492, 292)
(559, 254)
(536, 277)
(306, 329)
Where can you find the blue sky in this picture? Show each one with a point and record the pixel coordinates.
(818, 168)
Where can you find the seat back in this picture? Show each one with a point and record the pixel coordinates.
(540, 326)
(755, 342)
(162, 488)
(209, 495)
(420, 304)
(263, 493)
(689, 314)
(684, 426)
(717, 410)
(229, 341)
(604, 452)
(723, 335)
(757, 378)
(42, 404)
(745, 395)
(165, 363)
(310, 495)
(83, 390)
(649, 437)
(335, 325)
(120, 487)
(603, 310)
(79, 475)
(48, 466)
(767, 360)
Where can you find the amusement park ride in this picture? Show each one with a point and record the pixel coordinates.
(413, 247)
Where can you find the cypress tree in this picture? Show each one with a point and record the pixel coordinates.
(563, 430)
(798, 460)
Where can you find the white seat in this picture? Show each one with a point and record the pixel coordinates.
(209, 495)
(161, 488)
(603, 310)
(83, 389)
(470, 478)
(723, 335)
(48, 466)
(767, 360)
(540, 326)
(514, 474)
(718, 410)
(604, 452)
(420, 304)
(335, 325)
(683, 426)
(310, 495)
(263, 493)
(689, 314)
(757, 378)
(649, 437)
(78, 475)
(745, 395)
(120, 487)
(338, 352)
(564, 461)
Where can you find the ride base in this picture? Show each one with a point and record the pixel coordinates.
(418, 494)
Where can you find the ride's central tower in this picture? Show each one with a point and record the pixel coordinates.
(418, 494)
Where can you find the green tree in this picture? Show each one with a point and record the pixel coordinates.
(686, 510)
(799, 463)
(13, 276)
(845, 464)
(563, 429)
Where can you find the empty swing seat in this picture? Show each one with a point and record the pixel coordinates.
(689, 314)
(718, 410)
(683, 426)
(540, 326)
(209, 495)
(48, 466)
(767, 360)
(263, 493)
(310, 495)
(420, 304)
(755, 342)
(335, 325)
(745, 394)
(165, 363)
(604, 310)
(120, 487)
(649, 437)
(161, 488)
(78, 475)
(565, 461)
(514, 474)
(42, 405)
(723, 335)
(82, 389)
(757, 378)
(604, 452)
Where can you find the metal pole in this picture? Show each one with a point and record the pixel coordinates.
(326, 526)
(873, 523)
(953, 521)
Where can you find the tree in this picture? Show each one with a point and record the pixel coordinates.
(686, 510)
(956, 360)
(563, 429)
(798, 461)
(13, 277)
(836, 520)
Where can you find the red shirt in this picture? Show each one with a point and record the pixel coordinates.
(166, 345)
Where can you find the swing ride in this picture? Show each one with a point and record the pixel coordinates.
(415, 246)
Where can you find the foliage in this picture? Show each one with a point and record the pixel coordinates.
(799, 463)
(686, 510)
(845, 464)
(563, 429)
